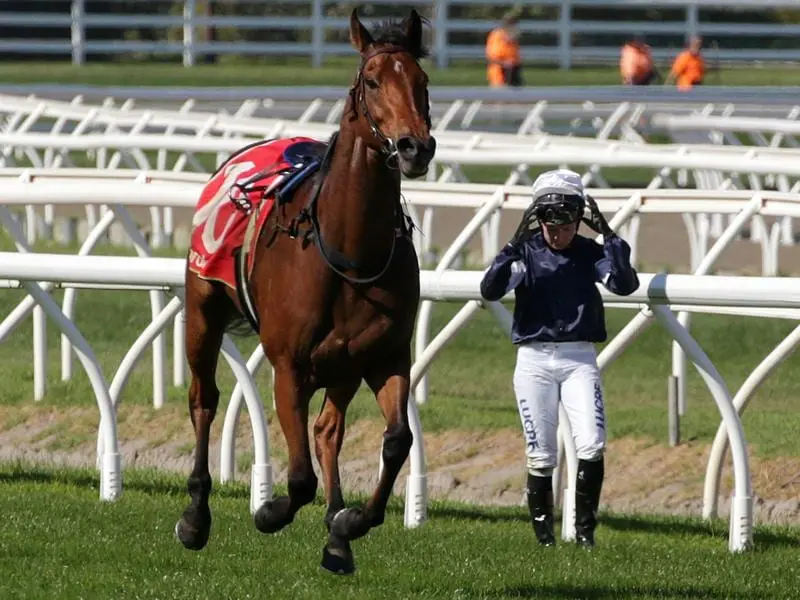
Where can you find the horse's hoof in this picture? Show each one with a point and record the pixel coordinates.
(273, 516)
(192, 538)
(338, 561)
(350, 524)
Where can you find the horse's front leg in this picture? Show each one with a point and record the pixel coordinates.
(390, 383)
(328, 436)
(204, 331)
(291, 404)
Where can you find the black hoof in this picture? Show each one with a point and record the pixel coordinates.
(350, 524)
(338, 560)
(192, 537)
(273, 516)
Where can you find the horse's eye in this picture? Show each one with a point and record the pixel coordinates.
(371, 83)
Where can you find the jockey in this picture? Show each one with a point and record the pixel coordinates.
(558, 315)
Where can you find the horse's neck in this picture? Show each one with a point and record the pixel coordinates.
(358, 204)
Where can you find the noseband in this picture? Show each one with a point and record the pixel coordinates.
(359, 102)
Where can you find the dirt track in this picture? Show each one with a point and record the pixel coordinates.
(479, 467)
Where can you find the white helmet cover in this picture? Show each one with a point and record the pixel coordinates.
(558, 196)
(559, 181)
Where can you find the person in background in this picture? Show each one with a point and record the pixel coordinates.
(689, 68)
(503, 53)
(558, 316)
(636, 63)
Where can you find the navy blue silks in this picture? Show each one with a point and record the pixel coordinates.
(556, 296)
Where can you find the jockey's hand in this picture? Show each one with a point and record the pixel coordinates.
(596, 219)
(524, 229)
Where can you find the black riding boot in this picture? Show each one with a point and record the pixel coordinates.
(587, 499)
(540, 505)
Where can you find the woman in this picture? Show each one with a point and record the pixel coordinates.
(558, 315)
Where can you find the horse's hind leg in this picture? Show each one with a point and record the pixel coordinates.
(328, 435)
(291, 405)
(390, 384)
(205, 311)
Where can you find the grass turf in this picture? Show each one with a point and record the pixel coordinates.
(59, 542)
(338, 71)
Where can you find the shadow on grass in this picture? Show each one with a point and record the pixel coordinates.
(155, 483)
(476, 513)
(663, 525)
(656, 524)
(145, 481)
(590, 592)
(763, 537)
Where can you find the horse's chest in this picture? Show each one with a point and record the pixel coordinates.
(356, 333)
(365, 330)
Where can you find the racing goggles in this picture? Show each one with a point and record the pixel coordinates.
(558, 209)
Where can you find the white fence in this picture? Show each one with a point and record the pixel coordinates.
(656, 293)
(121, 141)
(765, 297)
(111, 137)
(315, 27)
(47, 133)
(108, 196)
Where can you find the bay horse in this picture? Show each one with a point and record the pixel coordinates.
(333, 293)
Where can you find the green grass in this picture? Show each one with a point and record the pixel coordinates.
(59, 541)
(277, 71)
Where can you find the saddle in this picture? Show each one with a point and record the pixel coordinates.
(298, 162)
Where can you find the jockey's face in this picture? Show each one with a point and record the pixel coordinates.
(559, 237)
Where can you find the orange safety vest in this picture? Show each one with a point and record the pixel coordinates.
(689, 70)
(500, 51)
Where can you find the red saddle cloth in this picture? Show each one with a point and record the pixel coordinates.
(220, 219)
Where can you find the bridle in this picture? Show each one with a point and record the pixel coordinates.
(358, 94)
(335, 260)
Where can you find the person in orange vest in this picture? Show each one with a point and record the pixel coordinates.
(636, 63)
(503, 53)
(689, 68)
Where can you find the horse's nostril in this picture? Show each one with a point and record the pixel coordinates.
(407, 147)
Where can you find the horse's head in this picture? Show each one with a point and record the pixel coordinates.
(390, 92)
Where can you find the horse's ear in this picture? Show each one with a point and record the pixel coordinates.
(414, 30)
(359, 36)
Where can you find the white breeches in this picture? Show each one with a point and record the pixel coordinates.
(546, 373)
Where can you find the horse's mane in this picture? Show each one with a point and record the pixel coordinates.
(327, 159)
(392, 31)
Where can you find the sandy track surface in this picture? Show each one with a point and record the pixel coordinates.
(478, 467)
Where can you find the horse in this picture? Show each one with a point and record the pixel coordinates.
(330, 284)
